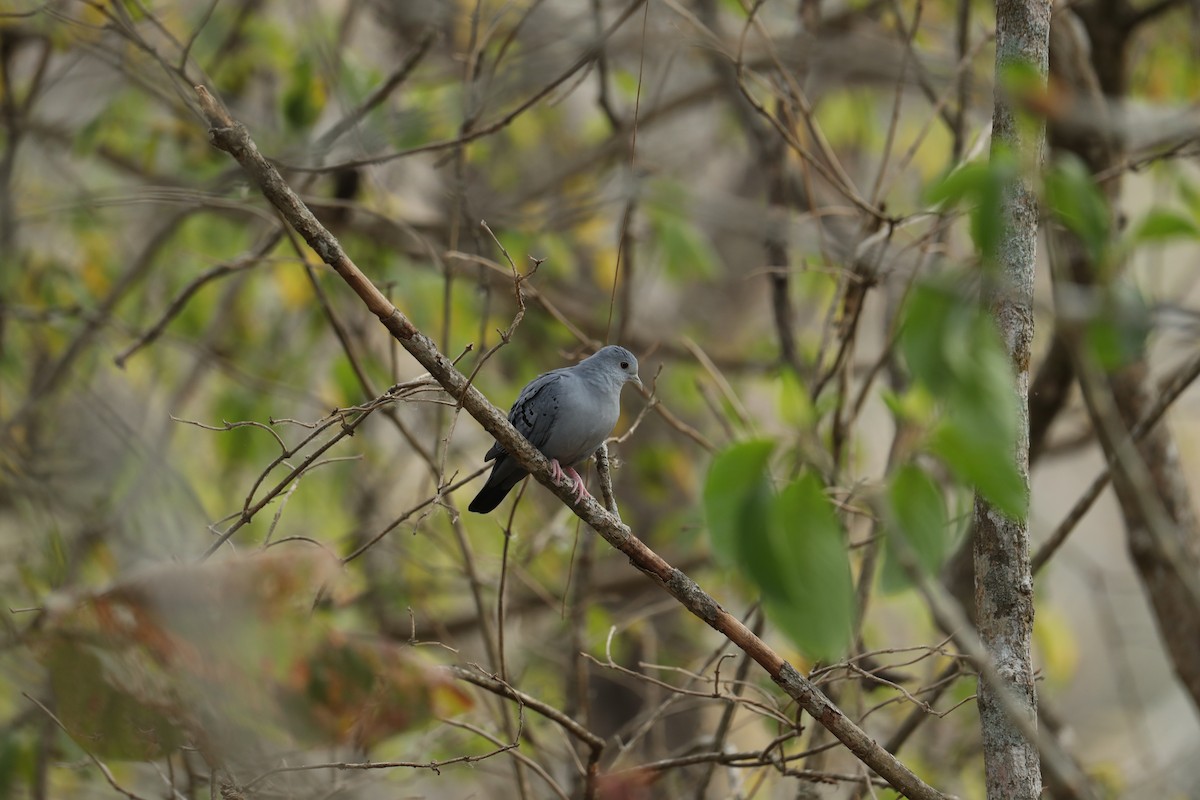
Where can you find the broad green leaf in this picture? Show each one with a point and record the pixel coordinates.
(1118, 331)
(736, 496)
(108, 701)
(686, 250)
(947, 340)
(916, 513)
(1190, 195)
(924, 334)
(984, 461)
(915, 405)
(960, 184)
(952, 348)
(795, 406)
(981, 186)
(987, 218)
(806, 542)
(1073, 197)
(983, 396)
(1021, 77)
(1163, 225)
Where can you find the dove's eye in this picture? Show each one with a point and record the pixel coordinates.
(624, 365)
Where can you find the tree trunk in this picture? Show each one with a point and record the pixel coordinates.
(1003, 581)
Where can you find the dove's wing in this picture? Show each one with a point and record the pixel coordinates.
(533, 414)
(534, 411)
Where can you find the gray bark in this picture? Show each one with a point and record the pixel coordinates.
(1003, 582)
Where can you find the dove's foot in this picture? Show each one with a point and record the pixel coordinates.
(557, 473)
(580, 490)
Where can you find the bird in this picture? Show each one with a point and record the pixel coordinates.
(566, 414)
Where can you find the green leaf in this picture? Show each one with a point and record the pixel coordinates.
(1118, 332)
(923, 334)
(947, 341)
(1190, 195)
(980, 185)
(304, 97)
(686, 251)
(736, 496)
(807, 543)
(1021, 77)
(984, 461)
(795, 406)
(1073, 197)
(916, 513)
(960, 184)
(790, 545)
(16, 761)
(101, 699)
(1162, 225)
(952, 349)
(987, 218)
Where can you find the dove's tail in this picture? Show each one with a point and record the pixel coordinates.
(505, 475)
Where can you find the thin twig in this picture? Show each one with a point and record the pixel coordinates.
(177, 305)
(503, 122)
(391, 526)
(108, 776)
(226, 134)
(1168, 393)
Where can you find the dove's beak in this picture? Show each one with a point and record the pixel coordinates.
(637, 380)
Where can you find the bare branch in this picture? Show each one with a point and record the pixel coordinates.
(1168, 393)
(108, 776)
(480, 132)
(234, 139)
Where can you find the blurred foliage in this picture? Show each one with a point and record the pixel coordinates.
(1074, 199)
(775, 485)
(955, 354)
(917, 512)
(980, 185)
(222, 655)
(801, 569)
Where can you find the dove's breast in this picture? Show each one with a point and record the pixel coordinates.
(583, 418)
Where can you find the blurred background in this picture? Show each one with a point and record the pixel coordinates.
(751, 197)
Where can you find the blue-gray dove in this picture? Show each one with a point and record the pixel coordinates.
(566, 414)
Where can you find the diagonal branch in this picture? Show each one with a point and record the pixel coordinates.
(233, 138)
(1169, 393)
(587, 57)
(108, 776)
(1140, 16)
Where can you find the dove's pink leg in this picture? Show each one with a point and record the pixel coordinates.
(557, 473)
(580, 490)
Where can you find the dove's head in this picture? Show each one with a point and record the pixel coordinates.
(617, 362)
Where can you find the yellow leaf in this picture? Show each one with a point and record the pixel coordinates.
(293, 285)
(1055, 639)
